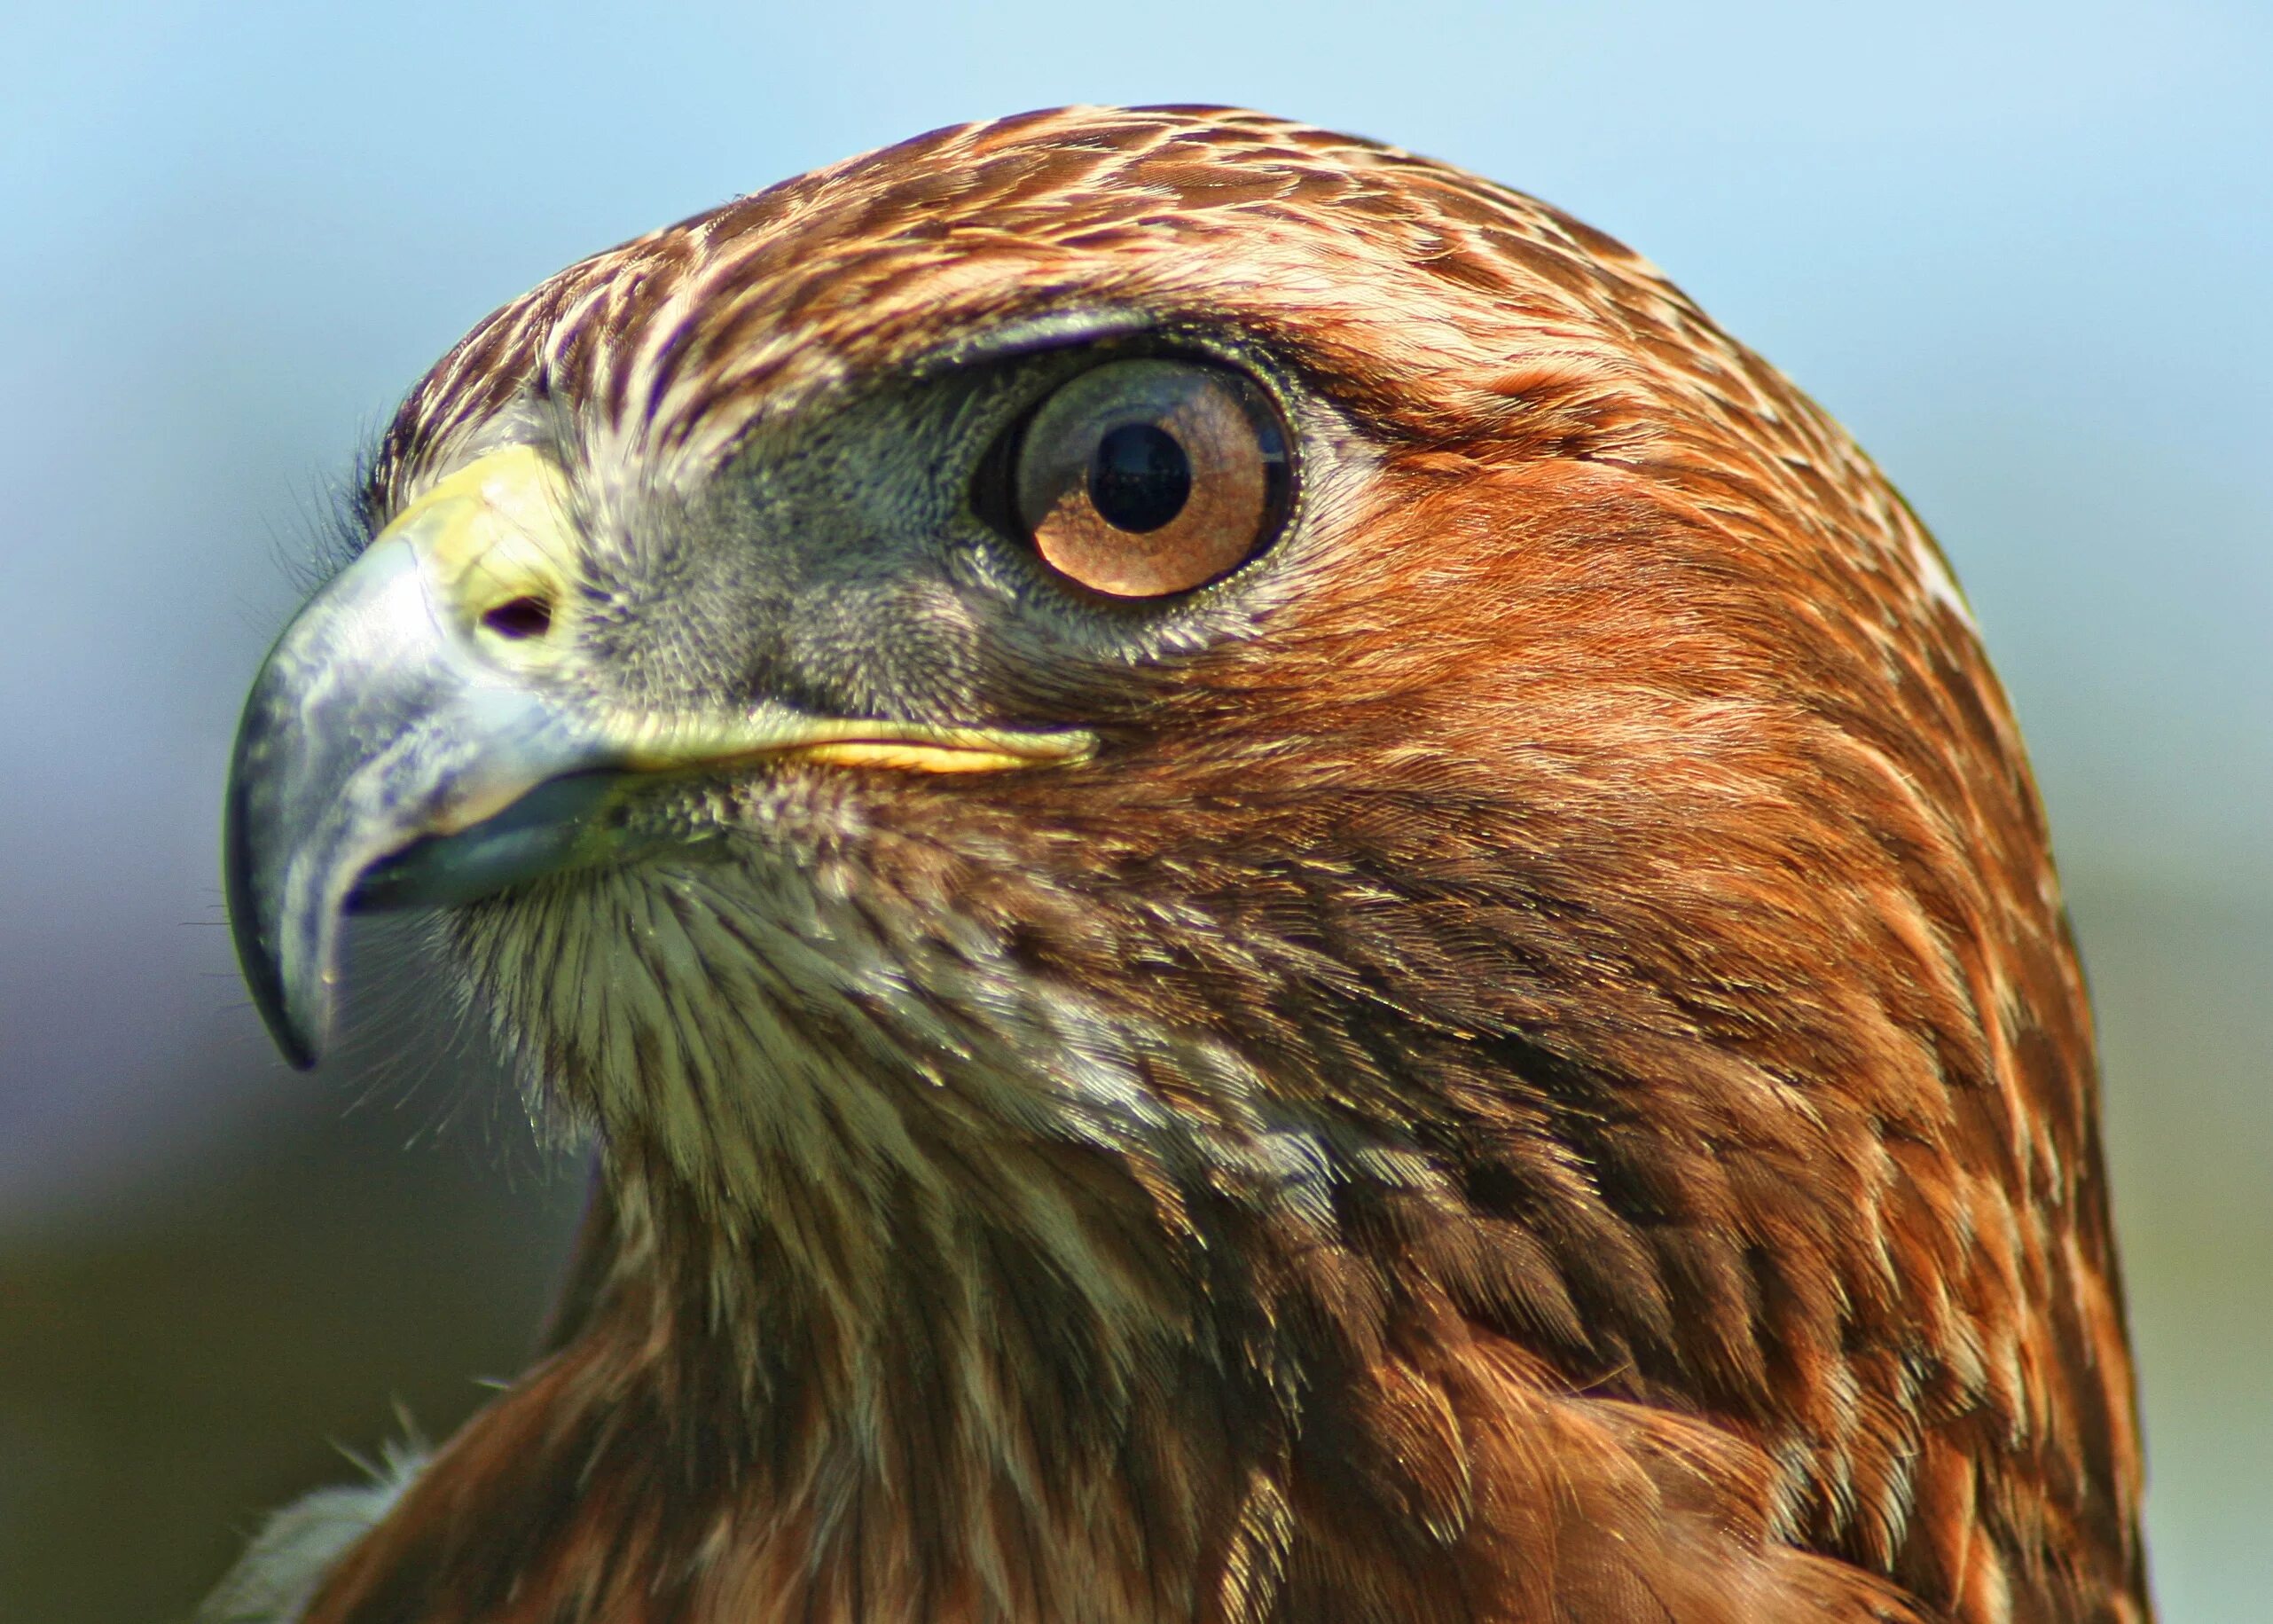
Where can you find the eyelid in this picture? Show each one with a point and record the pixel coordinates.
(1029, 337)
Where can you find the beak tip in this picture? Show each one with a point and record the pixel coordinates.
(297, 1053)
(295, 1006)
(296, 1013)
(298, 1029)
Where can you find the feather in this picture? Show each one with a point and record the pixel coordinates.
(1534, 1072)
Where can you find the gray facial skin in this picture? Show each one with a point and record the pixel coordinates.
(844, 579)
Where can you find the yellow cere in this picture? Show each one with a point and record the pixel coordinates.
(494, 532)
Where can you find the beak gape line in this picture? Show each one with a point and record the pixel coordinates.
(398, 750)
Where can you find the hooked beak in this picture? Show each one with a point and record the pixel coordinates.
(417, 737)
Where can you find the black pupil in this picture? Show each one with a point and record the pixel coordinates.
(1138, 478)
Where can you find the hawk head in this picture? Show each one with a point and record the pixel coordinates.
(1274, 898)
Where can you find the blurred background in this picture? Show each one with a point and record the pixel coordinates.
(2025, 252)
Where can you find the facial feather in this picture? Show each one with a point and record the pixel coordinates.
(1535, 1071)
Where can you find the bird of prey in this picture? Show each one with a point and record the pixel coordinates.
(1274, 899)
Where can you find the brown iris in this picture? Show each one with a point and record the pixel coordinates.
(1143, 478)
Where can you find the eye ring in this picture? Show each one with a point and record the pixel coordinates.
(1148, 478)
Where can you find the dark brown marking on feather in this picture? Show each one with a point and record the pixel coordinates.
(1657, 893)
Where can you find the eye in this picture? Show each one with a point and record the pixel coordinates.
(1142, 478)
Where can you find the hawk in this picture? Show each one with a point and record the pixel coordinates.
(1274, 898)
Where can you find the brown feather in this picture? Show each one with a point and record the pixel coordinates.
(1610, 843)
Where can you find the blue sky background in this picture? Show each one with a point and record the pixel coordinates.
(2024, 252)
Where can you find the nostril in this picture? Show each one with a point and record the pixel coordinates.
(520, 618)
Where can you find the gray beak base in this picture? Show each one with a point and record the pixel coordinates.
(372, 727)
(401, 745)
